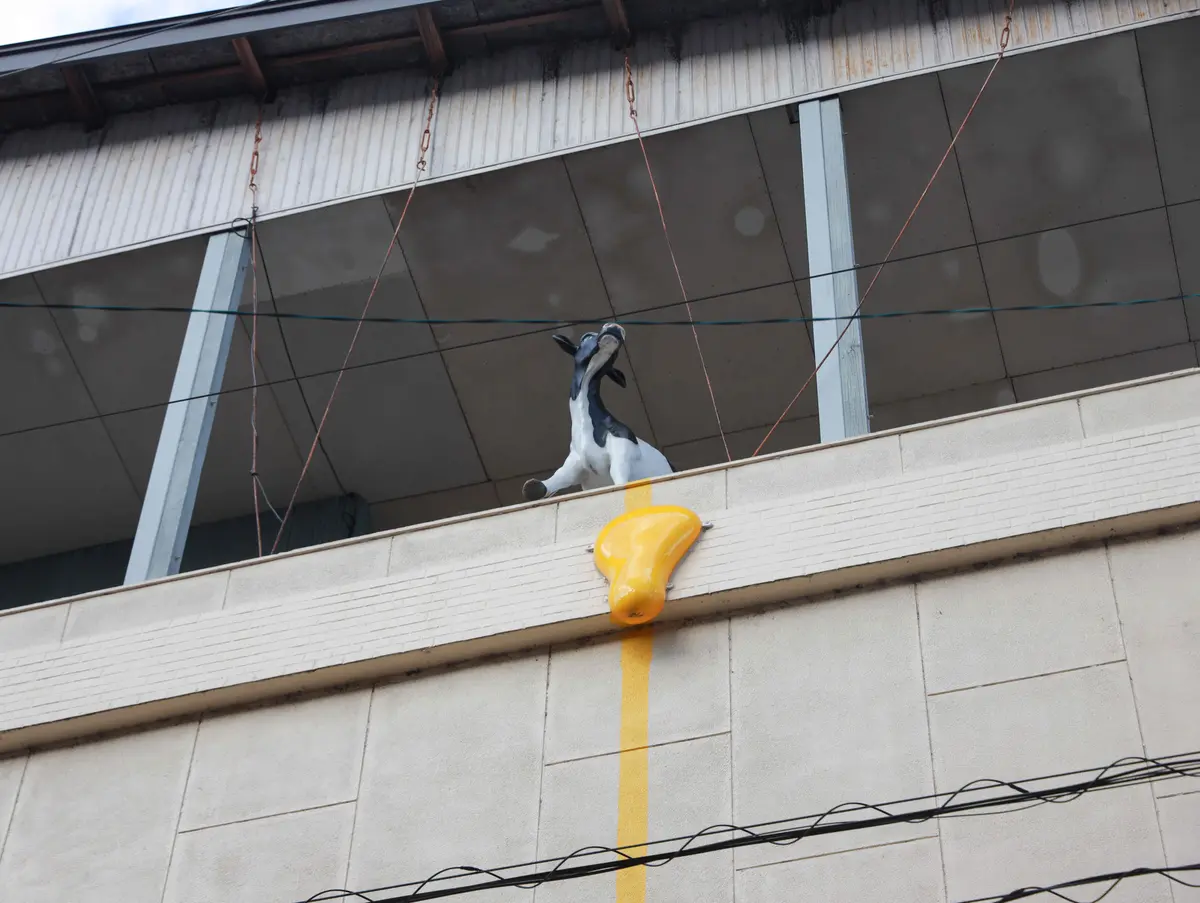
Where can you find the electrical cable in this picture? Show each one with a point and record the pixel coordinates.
(391, 360)
(1005, 36)
(1125, 772)
(624, 321)
(1168, 872)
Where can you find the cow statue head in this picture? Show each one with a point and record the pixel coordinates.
(594, 355)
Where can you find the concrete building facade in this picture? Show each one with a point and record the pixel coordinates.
(453, 695)
(971, 556)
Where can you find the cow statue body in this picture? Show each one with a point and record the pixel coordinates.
(604, 451)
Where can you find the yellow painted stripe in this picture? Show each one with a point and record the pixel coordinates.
(633, 794)
(638, 495)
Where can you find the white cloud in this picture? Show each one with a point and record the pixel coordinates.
(29, 20)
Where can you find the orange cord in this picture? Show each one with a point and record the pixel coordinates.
(254, 481)
(426, 140)
(1005, 35)
(631, 96)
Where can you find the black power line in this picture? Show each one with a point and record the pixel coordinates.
(1114, 878)
(961, 803)
(276, 314)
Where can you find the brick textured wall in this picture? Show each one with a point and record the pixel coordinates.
(896, 503)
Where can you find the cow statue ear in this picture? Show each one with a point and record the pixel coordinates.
(566, 344)
(617, 376)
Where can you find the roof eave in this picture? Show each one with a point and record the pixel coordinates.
(227, 24)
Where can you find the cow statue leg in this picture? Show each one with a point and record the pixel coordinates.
(568, 475)
(621, 456)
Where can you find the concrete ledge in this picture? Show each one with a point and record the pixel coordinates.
(552, 633)
(787, 526)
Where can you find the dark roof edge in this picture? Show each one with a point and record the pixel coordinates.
(228, 23)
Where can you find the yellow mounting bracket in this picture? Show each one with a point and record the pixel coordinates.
(638, 551)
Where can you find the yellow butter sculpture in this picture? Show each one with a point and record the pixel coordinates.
(638, 551)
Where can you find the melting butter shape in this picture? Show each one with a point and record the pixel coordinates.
(638, 552)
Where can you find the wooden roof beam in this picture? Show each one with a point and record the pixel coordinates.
(83, 97)
(618, 22)
(252, 69)
(431, 37)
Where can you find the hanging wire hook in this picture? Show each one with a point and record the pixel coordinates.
(425, 143)
(255, 483)
(631, 97)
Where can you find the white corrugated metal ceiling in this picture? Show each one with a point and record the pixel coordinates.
(177, 171)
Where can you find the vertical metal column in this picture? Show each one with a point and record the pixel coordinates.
(182, 443)
(842, 380)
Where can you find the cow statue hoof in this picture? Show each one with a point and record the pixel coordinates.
(533, 490)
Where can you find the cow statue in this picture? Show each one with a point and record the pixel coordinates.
(604, 451)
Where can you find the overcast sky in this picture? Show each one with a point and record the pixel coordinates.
(28, 20)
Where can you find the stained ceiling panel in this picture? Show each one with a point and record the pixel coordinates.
(1185, 234)
(34, 358)
(316, 346)
(1171, 70)
(127, 359)
(332, 246)
(1112, 260)
(717, 206)
(301, 422)
(777, 141)
(938, 405)
(755, 370)
(63, 488)
(1060, 137)
(396, 429)
(225, 485)
(421, 509)
(911, 356)
(508, 244)
(743, 443)
(895, 135)
(1105, 372)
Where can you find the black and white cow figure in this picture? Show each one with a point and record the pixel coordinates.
(604, 451)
